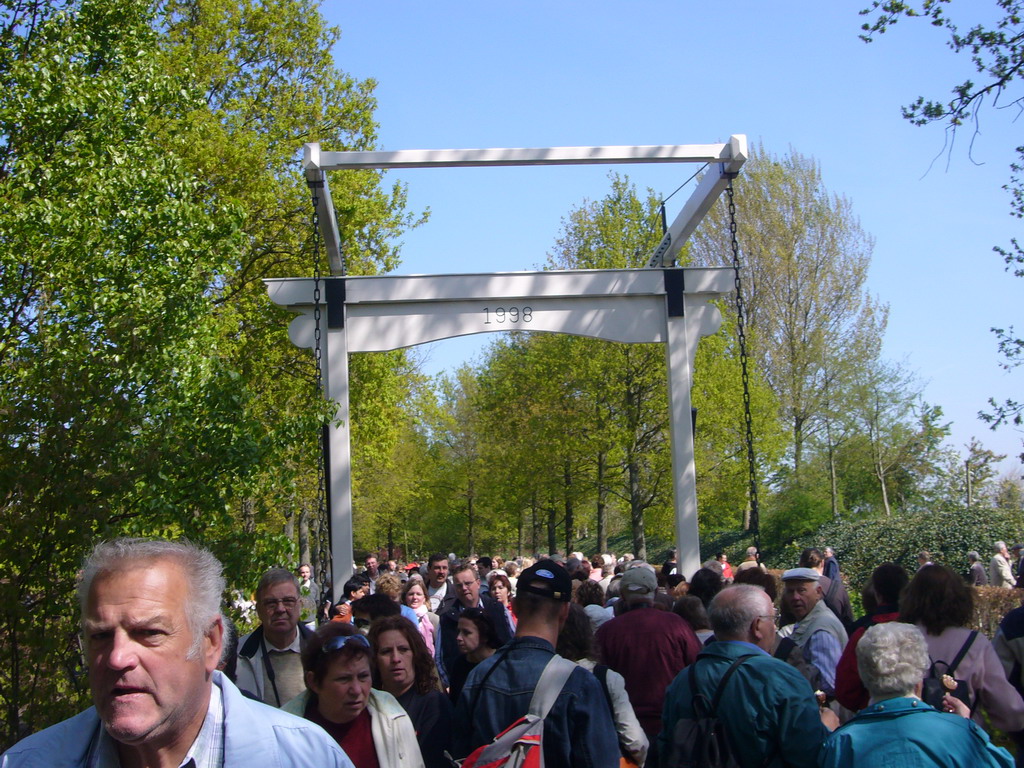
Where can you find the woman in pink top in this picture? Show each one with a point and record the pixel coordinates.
(939, 602)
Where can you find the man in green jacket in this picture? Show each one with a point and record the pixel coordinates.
(770, 713)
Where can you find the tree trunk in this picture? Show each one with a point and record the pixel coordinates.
(552, 528)
(798, 447)
(831, 455)
(289, 520)
(534, 525)
(248, 516)
(304, 548)
(471, 533)
(833, 482)
(880, 474)
(602, 506)
(391, 541)
(569, 521)
(636, 513)
(519, 533)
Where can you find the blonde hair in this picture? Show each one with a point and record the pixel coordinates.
(389, 584)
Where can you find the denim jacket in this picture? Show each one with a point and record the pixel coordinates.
(578, 732)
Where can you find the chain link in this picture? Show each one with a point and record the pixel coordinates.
(755, 522)
(322, 514)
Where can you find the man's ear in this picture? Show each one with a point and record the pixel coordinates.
(213, 643)
(754, 631)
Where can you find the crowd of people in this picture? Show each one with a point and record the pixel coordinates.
(422, 664)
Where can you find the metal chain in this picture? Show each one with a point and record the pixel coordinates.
(322, 518)
(755, 522)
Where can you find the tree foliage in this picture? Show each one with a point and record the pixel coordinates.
(995, 47)
(947, 532)
(148, 180)
(805, 260)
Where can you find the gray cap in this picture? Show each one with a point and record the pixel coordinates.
(639, 581)
(801, 574)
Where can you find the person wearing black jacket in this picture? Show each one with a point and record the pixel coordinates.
(466, 582)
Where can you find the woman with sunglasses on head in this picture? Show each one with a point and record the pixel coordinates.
(370, 725)
(404, 668)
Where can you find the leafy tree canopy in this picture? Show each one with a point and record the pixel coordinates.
(995, 46)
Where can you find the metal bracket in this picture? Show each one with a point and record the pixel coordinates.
(675, 287)
(334, 287)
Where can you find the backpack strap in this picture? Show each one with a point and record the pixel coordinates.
(951, 668)
(784, 648)
(833, 587)
(601, 673)
(500, 654)
(552, 680)
(725, 681)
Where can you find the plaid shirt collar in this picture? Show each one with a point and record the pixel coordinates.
(207, 751)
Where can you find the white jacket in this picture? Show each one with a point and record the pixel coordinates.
(394, 737)
(631, 735)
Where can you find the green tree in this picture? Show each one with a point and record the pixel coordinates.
(595, 412)
(118, 413)
(995, 47)
(269, 83)
(147, 182)
(806, 260)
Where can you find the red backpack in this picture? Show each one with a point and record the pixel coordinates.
(521, 744)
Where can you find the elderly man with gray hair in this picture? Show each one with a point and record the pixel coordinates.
(1000, 574)
(769, 711)
(897, 728)
(153, 635)
(269, 657)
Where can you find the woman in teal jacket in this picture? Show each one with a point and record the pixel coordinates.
(897, 728)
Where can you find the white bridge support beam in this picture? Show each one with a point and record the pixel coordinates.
(376, 314)
(660, 304)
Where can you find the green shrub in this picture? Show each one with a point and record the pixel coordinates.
(948, 534)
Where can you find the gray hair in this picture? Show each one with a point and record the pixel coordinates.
(202, 571)
(999, 546)
(276, 576)
(892, 658)
(973, 556)
(734, 609)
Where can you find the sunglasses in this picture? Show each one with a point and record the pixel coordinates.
(337, 643)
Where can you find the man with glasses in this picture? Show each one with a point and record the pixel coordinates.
(466, 584)
(770, 713)
(269, 661)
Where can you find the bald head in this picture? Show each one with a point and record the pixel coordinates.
(743, 612)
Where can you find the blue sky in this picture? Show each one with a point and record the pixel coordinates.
(789, 75)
